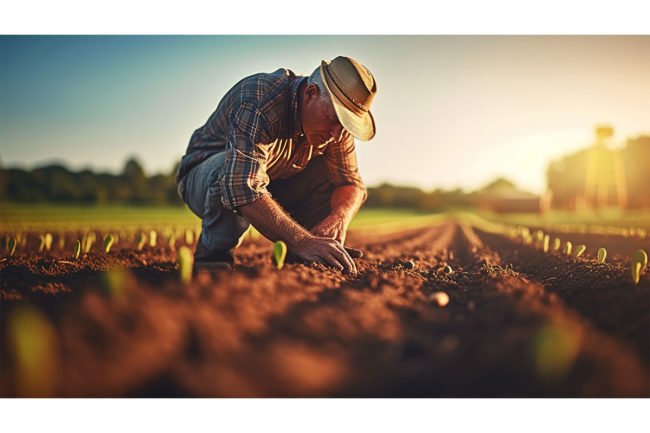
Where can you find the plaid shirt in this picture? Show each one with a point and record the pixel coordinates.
(257, 124)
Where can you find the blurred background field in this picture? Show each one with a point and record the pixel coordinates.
(61, 216)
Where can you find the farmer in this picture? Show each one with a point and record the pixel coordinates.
(278, 153)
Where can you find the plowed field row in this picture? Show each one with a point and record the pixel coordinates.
(519, 323)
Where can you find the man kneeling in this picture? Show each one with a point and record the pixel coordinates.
(278, 153)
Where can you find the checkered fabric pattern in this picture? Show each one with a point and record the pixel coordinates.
(257, 124)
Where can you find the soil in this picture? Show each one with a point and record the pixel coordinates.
(519, 322)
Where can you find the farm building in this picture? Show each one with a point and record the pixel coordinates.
(600, 176)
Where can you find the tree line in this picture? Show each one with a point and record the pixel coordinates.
(55, 183)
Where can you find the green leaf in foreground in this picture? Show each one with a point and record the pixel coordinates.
(185, 260)
(638, 264)
(279, 253)
(602, 254)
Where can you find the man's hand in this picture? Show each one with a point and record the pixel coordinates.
(268, 217)
(326, 250)
(333, 227)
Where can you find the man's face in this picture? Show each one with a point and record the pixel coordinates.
(319, 121)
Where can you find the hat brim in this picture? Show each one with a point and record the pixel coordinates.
(361, 126)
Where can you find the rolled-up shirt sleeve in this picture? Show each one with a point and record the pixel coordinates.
(341, 159)
(245, 179)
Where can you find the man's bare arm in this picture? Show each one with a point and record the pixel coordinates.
(268, 217)
(345, 203)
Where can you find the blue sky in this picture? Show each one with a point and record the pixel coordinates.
(450, 111)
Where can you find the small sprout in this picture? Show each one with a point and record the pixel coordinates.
(253, 233)
(12, 246)
(539, 235)
(142, 239)
(409, 264)
(77, 249)
(185, 260)
(580, 249)
(108, 242)
(189, 237)
(90, 239)
(547, 238)
(447, 270)
(439, 298)
(279, 254)
(557, 243)
(171, 240)
(602, 254)
(153, 236)
(41, 245)
(567, 248)
(638, 264)
(48, 241)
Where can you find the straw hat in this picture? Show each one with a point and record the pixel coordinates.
(352, 88)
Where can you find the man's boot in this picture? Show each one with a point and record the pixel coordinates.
(206, 260)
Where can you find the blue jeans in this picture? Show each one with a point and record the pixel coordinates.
(305, 196)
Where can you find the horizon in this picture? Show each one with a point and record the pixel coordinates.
(491, 106)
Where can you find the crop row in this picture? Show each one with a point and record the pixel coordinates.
(638, 261)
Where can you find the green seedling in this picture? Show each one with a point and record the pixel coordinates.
(557, 243)
(89, 243)
(448, 270)
(580, 249)
(12, 246)
(279, 254)
(602, 254)
(638, 264)
(409, 264)
(185, 260)
(547, 238)
(77, 249)
(153, 236)
(41, 245)
(108, 242)
(48, 241)
(567, 248)
(539, 235)
(171, 240)
(141, 241)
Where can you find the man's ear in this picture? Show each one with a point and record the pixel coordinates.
(311, 92)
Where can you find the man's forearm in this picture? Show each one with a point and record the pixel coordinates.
(346, 202)
(268, 217)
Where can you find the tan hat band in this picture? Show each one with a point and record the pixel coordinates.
(349, 103)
